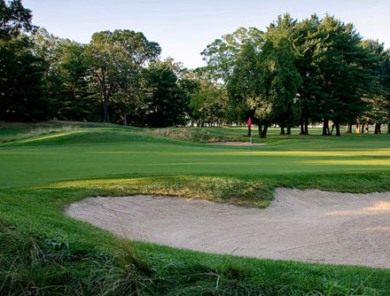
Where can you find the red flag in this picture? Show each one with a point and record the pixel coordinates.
(249, 122)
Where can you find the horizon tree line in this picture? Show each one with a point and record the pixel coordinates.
(296, 73)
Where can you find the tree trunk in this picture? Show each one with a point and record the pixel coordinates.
(337, 125)
(302, 132)
(106, 117)
(288, 130)
(260, 129)
(332, 129)
(264, 132)
(282, 131)
(388, 128)
(349, 128)
(358, 127)
(362, 126)
(302, 126)
(124, 119)
(306, 126)
(325, 127)
(377, 129)
(105, 92)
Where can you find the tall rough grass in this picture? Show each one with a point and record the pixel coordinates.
(199, 135)
(33, 265)
(38, 131)
(242, 192)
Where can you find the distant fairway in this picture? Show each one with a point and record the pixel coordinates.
(118, 152)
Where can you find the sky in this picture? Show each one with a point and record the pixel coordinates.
(184, 28)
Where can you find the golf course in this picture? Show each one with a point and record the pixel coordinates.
(48, 168)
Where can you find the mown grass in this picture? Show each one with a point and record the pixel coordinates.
(44, 252)
(108, 152)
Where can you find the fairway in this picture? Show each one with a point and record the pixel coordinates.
(112, 153)
(47, 169)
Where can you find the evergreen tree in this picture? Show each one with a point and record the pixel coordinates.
(167, 103)
(21, 82)
(385, 82)
(306, 42)
(20, 70)
(67, 78)
(346, 75)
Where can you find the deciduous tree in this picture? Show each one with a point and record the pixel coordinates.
(117, 59)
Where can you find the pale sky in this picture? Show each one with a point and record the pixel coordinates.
(183, 28)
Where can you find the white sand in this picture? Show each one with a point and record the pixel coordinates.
(309, 226)
(237, 144)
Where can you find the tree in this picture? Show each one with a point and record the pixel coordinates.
(209, 101)
(282, 32)
(306, 42)
(378, 104)
(346, 73)
(46, 47)
(76, 101)
(221, 57)
(166, 101)
(116, 60)
(14, 19)
(385, 82)
(266, 80)
(67, 77)
(245, 84)
(101, 57)
(20, 81)
(221, 54)
(20, 69)
(279, 83)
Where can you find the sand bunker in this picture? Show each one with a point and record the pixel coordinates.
(237, 144)
(309, 226)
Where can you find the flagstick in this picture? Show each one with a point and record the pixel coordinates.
(250, 142)
(250, 132)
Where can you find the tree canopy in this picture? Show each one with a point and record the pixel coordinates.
(316, 70)
(20, 69)
(14, 19)
(294, 73)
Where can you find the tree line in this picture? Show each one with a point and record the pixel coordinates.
(117, 77)
(296, 73)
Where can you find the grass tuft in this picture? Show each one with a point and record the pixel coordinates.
(32, 265)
